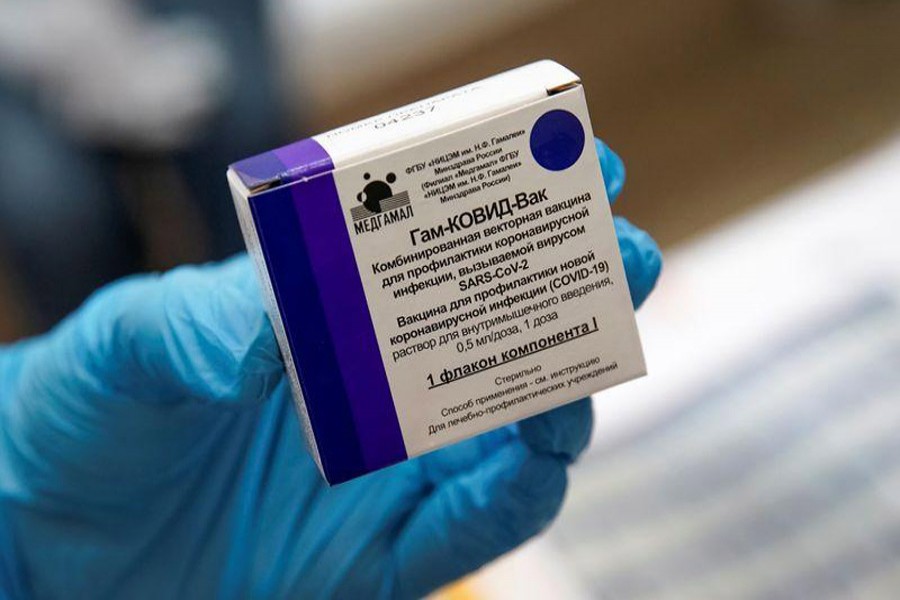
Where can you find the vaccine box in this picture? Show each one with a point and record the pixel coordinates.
(440, 270)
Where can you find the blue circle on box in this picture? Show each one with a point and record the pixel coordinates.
(557, 140)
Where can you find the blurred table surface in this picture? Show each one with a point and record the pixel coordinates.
(760, 458)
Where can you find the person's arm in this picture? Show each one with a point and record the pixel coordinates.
(149, 448)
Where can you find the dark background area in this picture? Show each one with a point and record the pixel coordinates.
(714, 105)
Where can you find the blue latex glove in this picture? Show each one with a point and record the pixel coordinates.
(149, 449)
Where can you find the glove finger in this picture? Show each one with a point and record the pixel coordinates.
(437, 466)
(121, 392)
(195, 333)
(613, 170)
(641, 257)
(474, 518)
(563, 432)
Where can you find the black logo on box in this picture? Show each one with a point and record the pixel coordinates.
(379, 205)
(378, 197)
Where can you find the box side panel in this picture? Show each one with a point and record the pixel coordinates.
(328, 327)
(251, 239)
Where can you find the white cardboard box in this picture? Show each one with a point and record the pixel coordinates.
(442, 269)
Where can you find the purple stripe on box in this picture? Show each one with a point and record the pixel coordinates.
(302, 159)
(259, 170)
(294, 284)
(293, 162)
(321, 218)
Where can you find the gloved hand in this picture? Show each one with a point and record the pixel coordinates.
(149, 449)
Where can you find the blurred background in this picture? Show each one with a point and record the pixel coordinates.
(760, 458)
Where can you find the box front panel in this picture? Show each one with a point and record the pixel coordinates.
(491, 271)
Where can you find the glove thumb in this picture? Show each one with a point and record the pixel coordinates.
(138, 380)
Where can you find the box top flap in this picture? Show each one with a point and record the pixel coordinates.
(404, 126)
